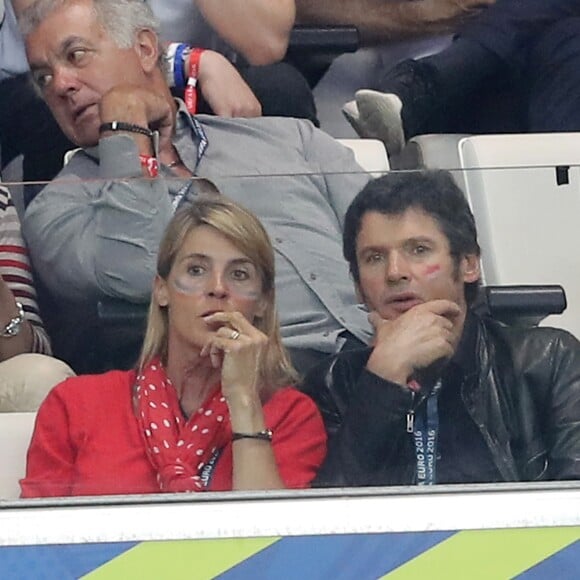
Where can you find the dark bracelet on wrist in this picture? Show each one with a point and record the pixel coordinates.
(128, 127)
(264, 435)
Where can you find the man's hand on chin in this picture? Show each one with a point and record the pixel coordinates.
(414, 340)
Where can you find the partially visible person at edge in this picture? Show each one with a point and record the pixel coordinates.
(209, 406)
(105, 87)
(26, 373)
(442, 396)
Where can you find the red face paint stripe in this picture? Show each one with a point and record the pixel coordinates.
(432, 269)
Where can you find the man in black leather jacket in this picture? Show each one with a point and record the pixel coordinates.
(442, 396)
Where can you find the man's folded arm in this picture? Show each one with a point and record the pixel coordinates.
(96, 228)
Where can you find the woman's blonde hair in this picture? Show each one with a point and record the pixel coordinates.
(245, 232)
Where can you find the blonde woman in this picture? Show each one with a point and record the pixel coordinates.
(210, 406)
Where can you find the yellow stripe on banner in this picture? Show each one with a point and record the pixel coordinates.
(487, 554)
(181, 559)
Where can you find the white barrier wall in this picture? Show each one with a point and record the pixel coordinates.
(498, 530)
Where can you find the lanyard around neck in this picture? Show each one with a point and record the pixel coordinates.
(425, 432)
(207, 470)
(202, 144)
(201, 137)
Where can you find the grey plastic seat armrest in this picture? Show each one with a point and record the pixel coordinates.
(114, 311)
(323, 39)
(524, 305)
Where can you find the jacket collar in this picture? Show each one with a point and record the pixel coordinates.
(464, 359)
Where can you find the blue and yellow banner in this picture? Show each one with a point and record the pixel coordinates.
(530, 553)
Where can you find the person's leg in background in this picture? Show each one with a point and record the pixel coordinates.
(443, 92)
(554, 73)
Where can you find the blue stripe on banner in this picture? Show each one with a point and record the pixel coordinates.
(340, 557)
(57, 562)
(563, 565)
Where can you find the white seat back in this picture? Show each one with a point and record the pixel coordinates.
(15, 433)
(528, 222)
(370, 154)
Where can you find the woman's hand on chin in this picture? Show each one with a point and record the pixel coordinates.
(238, 347)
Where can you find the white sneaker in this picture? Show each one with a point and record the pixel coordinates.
(379, 114)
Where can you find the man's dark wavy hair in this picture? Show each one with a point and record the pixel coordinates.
(433, 192)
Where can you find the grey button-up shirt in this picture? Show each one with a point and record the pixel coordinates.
(96, 228)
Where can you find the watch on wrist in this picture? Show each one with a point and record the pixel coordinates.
(14, 326)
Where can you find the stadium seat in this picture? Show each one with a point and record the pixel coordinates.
(370, 154)
(16, 430)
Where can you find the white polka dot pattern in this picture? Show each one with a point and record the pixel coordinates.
(178, 450)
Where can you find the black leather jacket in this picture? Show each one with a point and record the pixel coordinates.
(524, 398)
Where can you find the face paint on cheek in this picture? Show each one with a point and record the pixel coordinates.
(187, 285)
(432, 271)
(244, 291)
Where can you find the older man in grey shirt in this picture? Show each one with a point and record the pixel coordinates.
(95, 229)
